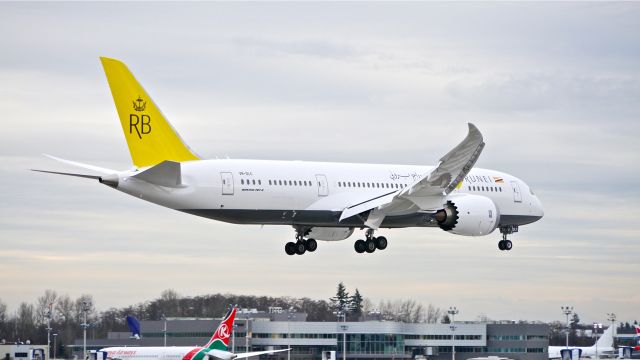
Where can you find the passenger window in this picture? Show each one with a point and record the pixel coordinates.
(290, 183)
(242, 181)
(259, 182)
(269, 182)
(254, 182)
(280, 181)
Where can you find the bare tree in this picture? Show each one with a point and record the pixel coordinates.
(433, 314)
(44, 304)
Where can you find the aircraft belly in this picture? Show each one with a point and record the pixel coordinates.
(306, 217)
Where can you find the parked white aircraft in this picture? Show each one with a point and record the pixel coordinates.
(604, 346)
(321, 200)
(216, 348)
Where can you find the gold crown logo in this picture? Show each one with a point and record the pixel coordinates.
(139, 105)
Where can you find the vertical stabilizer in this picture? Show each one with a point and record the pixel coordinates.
(606, 340)
(220, 339)
(150, 137)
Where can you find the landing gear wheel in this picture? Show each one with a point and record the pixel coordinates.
(501, 245)
(300, 247)
(381, 242)
(311, 245)
(290, 248)
(359, 246)
(370, 246)
(508, 245)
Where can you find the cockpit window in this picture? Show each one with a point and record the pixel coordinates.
(531, 191)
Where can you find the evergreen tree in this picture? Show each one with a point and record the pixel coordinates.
(446, 319)
(356, 304)
(340, 302)
(575, 321)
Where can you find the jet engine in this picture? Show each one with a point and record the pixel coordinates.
(469, 215)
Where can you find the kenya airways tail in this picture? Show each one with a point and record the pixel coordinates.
(637, 347)
(220, 338)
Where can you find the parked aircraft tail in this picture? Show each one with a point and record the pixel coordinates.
(220, 339)
(134, 327)
(606, 340)
(150, 137)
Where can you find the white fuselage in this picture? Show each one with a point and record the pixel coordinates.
(152, 353)
(315, 193)
(587, 351)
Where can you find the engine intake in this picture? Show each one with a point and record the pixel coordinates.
(470, 215)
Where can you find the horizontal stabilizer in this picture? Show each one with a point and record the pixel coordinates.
(82, 165)
(68, 174)
(167, 173)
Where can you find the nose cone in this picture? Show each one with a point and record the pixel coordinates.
(537, 207)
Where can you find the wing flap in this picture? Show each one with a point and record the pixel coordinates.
(367, 205)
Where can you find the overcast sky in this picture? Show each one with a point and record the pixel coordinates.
(553, 87)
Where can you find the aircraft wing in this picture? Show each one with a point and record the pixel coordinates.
(440, 181)
(451, 168)
(257, 353)
(226, 355)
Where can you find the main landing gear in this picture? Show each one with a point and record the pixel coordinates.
(505, 244)
(301, 245)
(371, 243)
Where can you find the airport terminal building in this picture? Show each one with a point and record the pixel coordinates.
(365, 339)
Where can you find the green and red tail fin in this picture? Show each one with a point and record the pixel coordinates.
(220, 339)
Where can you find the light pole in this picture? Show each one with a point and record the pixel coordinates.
(86, 305)
(343, 315)
(246, 334)
(612, 317)
(55, 336)
(164, 330)
(47, 315)
(567, 310)
(453, 311)
(290, 315)
(233, 336)
(595, 329)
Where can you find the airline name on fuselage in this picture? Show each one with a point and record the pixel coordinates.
(123, 352)
(479, 178)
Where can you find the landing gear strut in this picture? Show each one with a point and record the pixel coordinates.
(371, 243)
(505, 244)
(301, 245)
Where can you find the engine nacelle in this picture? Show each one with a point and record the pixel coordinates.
(469, 215)
(330, 233)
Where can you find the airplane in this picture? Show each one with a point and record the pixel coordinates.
(320, 200)
(216, 348)
(604, 346)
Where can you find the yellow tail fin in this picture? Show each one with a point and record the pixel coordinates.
(150, 137)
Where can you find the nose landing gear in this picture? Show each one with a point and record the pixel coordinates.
(505, 244)
(371, 243)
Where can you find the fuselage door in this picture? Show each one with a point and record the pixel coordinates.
(227, 183)
(323, 186)
(517, 195)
